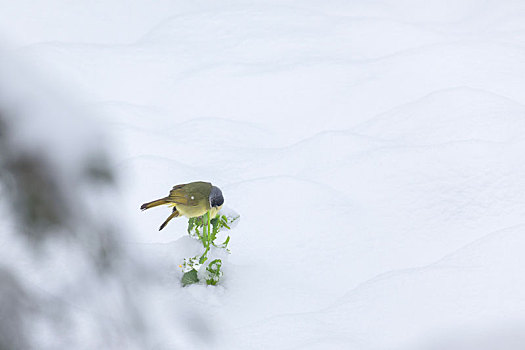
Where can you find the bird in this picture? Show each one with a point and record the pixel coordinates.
(190, 200)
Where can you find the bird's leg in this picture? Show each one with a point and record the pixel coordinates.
(174, 214)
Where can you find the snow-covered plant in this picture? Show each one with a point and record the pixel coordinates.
(205, 229)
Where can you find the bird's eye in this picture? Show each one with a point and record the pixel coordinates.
(192, 197)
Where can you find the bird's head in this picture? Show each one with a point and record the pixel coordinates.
(216, 198)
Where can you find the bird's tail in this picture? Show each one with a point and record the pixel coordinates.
(154, 203)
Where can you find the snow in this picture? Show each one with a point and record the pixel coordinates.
(372, 148)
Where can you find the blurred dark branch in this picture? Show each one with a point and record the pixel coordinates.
(36, 198)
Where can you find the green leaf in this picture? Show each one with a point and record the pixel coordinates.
(214, 272)
(189, 277)
(224, 244)
(191, 224)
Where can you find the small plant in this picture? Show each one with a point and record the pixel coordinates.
(213, 272)
(205, 229)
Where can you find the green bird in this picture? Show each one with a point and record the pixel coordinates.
(190, 200)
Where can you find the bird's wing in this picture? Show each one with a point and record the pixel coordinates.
(179, 195)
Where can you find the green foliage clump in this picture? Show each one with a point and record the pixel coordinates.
(205, 229)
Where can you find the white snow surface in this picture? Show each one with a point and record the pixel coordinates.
(374, 150)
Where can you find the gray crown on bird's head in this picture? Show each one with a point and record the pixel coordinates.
(216, 198)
